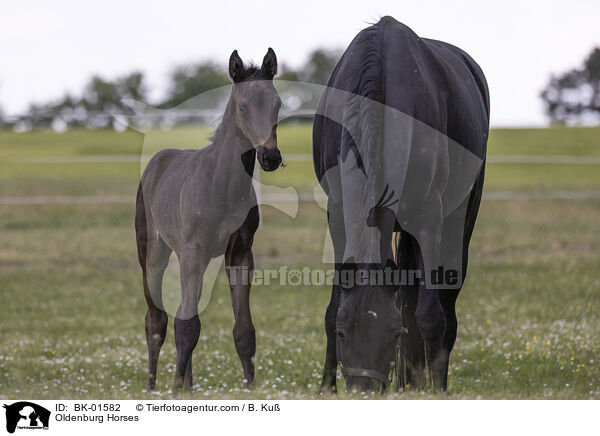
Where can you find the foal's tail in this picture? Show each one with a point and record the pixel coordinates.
(141, 227)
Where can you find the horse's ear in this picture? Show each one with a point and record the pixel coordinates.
(269, 65)
(236, 67)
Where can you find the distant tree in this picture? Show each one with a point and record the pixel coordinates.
(192, 80)
(133, 86)
(287, 73)
(66, 110)
(575, 95)
(103, 95)
(102, 98)
(319, 66)
(70, 111)
(316, 69)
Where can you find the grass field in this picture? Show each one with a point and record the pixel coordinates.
(71, 304)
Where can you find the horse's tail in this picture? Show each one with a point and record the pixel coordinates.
(141, 226)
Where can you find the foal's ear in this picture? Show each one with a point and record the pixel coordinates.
(236, 67)
(269, 65)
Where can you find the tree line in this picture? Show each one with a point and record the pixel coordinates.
(101, 98)
(569, 98)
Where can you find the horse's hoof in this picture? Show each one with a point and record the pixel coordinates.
(178, 387)
(325, 389)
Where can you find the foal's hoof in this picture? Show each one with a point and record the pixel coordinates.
(150, 386)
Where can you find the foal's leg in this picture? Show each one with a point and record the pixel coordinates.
(187, 323)
(153, 255)
(240, 264)
(156, 317)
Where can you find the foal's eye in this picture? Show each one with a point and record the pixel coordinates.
(242, 107)
(340, 333)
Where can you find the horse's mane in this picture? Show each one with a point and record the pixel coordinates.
(371, 83)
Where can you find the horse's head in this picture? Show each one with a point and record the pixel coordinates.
(368, 328)
(256, 105)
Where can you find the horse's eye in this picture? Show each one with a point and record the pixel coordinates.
(340, 333)
(242, 107)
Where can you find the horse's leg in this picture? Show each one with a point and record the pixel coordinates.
(438, 312)
(187, 323)
(453, 224)
(431, 322)
(429, 313)
(153, 255)
(413, 345)
(239, 263)
(335, 220)
(328, 383)
(448, 301)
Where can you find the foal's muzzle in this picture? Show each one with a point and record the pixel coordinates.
(269, 158)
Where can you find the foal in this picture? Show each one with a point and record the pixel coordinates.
(201, 204)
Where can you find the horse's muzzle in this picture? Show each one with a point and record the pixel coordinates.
(364, 384)
(269, 158)
(365, 379)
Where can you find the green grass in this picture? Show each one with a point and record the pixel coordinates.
(49, 178)
(71, 304)
(581, 141)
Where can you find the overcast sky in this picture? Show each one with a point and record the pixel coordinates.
(50, 47)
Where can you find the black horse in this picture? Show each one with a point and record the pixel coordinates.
(404, 152)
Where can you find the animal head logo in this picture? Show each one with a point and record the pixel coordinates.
(26, 415)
